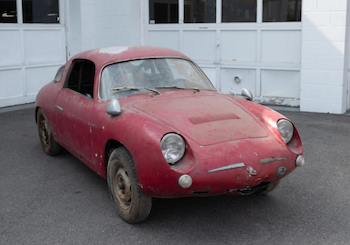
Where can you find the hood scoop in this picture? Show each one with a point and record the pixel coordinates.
(206, 120)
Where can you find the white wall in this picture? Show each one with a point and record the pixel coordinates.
(347, 57)
(102, 23)
(30, 55)
(73, 27)
(265, 56)
(323, 87)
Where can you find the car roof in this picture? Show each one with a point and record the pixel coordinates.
(102, 56)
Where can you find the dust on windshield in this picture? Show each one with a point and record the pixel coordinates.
(142, 76)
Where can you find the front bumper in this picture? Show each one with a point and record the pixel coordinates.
(238, 167)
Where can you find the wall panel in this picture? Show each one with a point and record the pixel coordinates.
(281, 46)
(238, 46)
(204, 49)
(11, 83)
(43, 46)
(280, 83)
(10, 48)
(37, 77)
(234, 80)
(167, 39)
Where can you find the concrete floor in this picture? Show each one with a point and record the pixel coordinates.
(58, 200)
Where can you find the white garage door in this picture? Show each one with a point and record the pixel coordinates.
(242, 43)
(32, 47)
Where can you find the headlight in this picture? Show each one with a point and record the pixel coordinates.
(286, 130)
(173, 147)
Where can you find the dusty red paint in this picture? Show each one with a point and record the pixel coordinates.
(218, 129)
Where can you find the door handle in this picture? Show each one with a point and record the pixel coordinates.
(58, 107)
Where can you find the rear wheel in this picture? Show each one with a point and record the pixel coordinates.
(49, 144)
(131, 203)
(267, 189)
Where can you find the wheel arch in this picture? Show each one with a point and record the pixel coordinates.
(36, 113)
(110, 146)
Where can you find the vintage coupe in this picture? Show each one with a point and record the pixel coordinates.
(149, 121)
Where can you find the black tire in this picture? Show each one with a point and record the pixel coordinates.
(267, 189)
(49, 144)
(131, 203)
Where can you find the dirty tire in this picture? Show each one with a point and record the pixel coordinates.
(267, 189)
(131, 203)
(49, 144)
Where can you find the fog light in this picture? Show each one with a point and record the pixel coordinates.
(300, 161)
(185, 181)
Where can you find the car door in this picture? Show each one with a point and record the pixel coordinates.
(75, 104)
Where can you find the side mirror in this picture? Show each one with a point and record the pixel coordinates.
(113, 107)
(247, 94)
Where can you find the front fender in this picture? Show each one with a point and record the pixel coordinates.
(141, 135)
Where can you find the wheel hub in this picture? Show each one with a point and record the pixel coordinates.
(122, 187)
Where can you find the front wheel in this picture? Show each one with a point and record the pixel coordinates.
(49, 144)
(131, 203)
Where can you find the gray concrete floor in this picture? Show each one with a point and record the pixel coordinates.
(58, 200)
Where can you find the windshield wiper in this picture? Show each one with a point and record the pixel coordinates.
(176, 87)
(121, 89)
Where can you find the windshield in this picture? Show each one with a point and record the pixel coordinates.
(141, 76)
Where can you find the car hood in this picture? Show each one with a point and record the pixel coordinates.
(206, 120)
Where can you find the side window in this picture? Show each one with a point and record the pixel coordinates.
(81, 77)
(59, 74)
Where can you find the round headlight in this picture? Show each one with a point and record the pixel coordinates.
(286, 130)
(173, 147)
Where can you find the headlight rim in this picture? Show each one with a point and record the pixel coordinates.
(279, 131)
(182, 152)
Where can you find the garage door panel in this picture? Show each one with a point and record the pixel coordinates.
(280, 83)
(44, 46)
(211, 74)
(10, 48)
(200, 45)
(238, 46)
(11, 83)
(167, 39)
(234, 80)
(37, 77)
(281, 46)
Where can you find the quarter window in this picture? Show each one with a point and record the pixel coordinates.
(200, 11)
(81, 77)
(8, 11)
(59, 74)
(281, 10)
(163, 11)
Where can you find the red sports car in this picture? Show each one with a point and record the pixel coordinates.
(149, 121)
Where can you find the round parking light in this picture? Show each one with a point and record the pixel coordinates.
(300, 161)
(185, 181)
